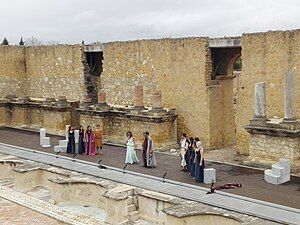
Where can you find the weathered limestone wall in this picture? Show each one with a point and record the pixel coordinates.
(12, 70)
(54, 71)
(221, 114)
(269, 149)
(177, 67)
(42, 71)
(266, 57)
(34, 115)
(116, 124)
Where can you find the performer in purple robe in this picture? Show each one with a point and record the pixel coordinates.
(89, 140)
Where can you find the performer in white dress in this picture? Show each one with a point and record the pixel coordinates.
(130, 153)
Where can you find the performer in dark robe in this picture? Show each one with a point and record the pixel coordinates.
(149, 159)
(81, 148)
(199, 161)
(71, 141)
(89, 140)
(145, 147)
(190, 159)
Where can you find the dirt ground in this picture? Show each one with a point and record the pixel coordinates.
(254, 186)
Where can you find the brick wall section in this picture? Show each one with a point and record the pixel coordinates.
(177, 67)
(266, 57)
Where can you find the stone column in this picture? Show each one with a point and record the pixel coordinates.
(42, 135)
(139, 97)
(157, 100)
(290, 96)
(87, 102)
(260, 100)
(102, 98)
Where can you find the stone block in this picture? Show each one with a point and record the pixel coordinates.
(285, 163)
(271, 178)
(42, 135)
(76, 135)
(46, 142)
(278, 170)
(63, 143)
(58, 148)
(209, 175)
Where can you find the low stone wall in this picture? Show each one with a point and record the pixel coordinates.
(271, 141)
(122, 204)
(117, 121)
(35, 114)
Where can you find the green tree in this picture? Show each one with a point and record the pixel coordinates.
(5, 41)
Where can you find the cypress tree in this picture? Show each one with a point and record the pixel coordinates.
(21, 42)
(5, 41)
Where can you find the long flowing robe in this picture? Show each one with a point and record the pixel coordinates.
(71, 143)
(89, 140)
(151, 160)
(130, 152)
(184, 146)
(199, 173)
(81, 148)
(98, 138)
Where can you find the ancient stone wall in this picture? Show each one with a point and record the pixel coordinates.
(12, 70)
(177, 67)
(266, 57)
(54, 71)
(269, 149)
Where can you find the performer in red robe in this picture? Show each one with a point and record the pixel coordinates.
(89, 139)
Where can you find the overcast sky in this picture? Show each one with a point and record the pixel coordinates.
(70, 21)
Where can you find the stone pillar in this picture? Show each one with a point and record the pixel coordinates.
(62, 101)
(102, 98)
(157, 100)
(290, 96)
(102, 104)
(139, 97)
(87, 102)
(260, 100)
(42, 135)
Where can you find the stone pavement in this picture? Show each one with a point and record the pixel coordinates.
(252, 179)
(15, 214)
(224, 200)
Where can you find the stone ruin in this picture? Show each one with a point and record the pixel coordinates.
(273, 139)
(115, 120)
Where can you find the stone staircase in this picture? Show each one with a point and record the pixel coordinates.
(132, 207)
(280, 172)
(8, 183)
(62, 146)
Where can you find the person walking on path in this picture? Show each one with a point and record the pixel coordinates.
(149, 159)
(130, 152)
(98, 139)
